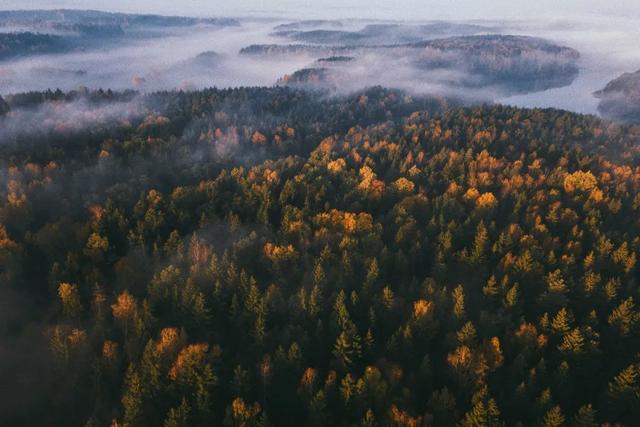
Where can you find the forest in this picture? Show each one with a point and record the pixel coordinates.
(273, 257)
(28, 43)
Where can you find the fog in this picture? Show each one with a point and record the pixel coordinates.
(149, 64)
(608, 48)
(198, 56)
(68, 117)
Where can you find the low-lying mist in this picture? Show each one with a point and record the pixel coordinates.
(150, 54)
(66, 117)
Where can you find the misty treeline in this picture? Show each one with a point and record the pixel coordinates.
(28, 43)
(51, 31)
(265, 257)
(489, 64)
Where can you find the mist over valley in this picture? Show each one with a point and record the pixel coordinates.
(519, 62)
(332, 213)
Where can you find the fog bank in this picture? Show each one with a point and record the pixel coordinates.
(190, 57)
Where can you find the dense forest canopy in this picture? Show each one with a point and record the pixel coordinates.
(251, 256)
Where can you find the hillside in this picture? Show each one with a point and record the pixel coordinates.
(85, 19)
(377, 34)
(620, 98)
(269, 257)
(58, 31)
(27, 43)
(501, 64)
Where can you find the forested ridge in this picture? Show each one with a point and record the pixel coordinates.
(27, 43)
(252, 257)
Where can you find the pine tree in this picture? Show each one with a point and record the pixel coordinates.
(556, 292)
(511, 297)
(317, 410)
(458, 302)
(347, 348)
(484, 411)
(369, 341)
(586, 417)
(467, 334)
(240, 384)
(490, 290)
(134, 398)
(572, 342)
(178, 417)
(626, 385)
(347, 389)
(263, 209)
(479, 244)
(372, 274)
(561, 323)
(553, 418)
(315, 302)
(319, 275)
(388, 298)
(624, 317)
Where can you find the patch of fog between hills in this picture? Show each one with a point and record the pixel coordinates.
(153, 63)
(67, 117)
(608, 48)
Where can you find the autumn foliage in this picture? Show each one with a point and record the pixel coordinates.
(256, 257)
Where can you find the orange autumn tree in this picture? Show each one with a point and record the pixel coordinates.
(124, 310)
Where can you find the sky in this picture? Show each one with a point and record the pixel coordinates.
(374, 9)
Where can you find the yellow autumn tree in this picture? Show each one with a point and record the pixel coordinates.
(403, 185)
(486, 201)
(96, 242)
(471, 194)
(336, 166)
(239, 414)
(580, 181)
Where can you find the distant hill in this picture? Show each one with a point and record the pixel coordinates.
(309, 24)
(87, 18)
(620, 98)
(56, 31)
(507, 63)
(376, 34)
(28, 43)
(337, 59)
(526, 64)
(206, 59)
(309, 78)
